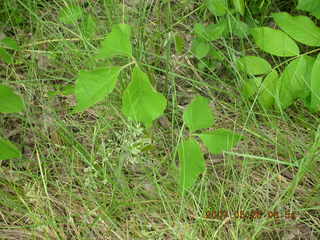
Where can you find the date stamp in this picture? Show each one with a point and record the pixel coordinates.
(251, 215)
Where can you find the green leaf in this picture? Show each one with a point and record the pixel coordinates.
(93, 86)
(251, 86)
(253, 65)
(312, 6)
(200, 48)
(117, 42)
(220, 140)
(315, 86)
(274, 42)
(294, 82)
(198, 114)
(10, 42)
(217, 7)
(5, 56)
(140, 101)
(239, 6)
(9, 101)
(191, 163)
(300, 28)
(269, 90)
(8, 150)
(70, 14)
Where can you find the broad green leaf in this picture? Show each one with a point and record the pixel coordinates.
(300, 28)
(312, 6)
(8, 150)
(217, 7)
(220, 140)
(315, 86)
(70, 14)
(269, 90)
(294, 82)
(93, 86)
(89, 26)
(10, 42)
(200, 48)
(9, 101)
(117, 42)
(251, 86)
(253, 65)
(274, 42)
(5, 56)
(140, 101)
(198, 114)
(239, 6)
(191, 163)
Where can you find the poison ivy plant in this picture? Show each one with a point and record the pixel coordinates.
(272, 88)
(9, 103)
(192, 163)
(199, 116)
(220, 140)
(93, 86)
(140, 102)
(117, 43)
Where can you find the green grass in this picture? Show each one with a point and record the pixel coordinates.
(96, 175)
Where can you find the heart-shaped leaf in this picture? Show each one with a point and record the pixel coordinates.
(315, 86)
(9, 101)
(191, 163)
(269, 90)
(300, 28)
(8, 150)
(220, 140)
(140, 101)
(312, 6)
(93, 86)
(253, 65)
(117, 42)
(198, 114)
(274, 42)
